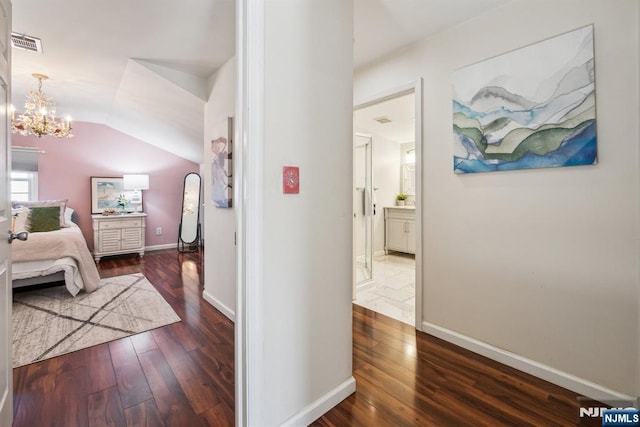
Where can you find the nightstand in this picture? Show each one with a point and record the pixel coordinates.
(118, 234)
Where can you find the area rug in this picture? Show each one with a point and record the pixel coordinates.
(50, 322)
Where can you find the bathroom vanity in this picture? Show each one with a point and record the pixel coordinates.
(400, 229)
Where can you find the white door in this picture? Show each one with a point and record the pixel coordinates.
(6, 392)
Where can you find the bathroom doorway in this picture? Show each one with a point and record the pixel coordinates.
(386, 235)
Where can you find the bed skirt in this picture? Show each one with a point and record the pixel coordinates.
(35, 272)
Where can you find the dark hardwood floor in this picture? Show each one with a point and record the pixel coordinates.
(178, 375)
(407, 378)
(183, 374)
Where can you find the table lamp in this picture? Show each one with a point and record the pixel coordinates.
(137, 183)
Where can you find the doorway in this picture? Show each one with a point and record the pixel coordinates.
(387, 242)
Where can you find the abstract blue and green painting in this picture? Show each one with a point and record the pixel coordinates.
(530, 108)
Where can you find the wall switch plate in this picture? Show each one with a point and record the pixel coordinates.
(290, 180)
(158, 231)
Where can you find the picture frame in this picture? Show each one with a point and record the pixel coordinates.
(105, 192)
(532, 107)
(221, 160)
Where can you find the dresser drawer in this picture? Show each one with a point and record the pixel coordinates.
(125, 223)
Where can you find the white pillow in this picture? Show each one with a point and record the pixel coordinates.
(68, 212)
(20, 219)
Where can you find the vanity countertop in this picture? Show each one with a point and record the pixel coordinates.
(412, 207)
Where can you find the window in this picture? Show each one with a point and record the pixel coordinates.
(409, 172)
(24, 186)
(409, 179)
(410, 156)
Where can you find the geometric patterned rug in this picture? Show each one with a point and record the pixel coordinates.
(50, 322)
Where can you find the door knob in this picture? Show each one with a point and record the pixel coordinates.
(20, 236)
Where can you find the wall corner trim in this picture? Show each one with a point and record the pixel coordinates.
(320, 406)
(563, 379)
(230, 314)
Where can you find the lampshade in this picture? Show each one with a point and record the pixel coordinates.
(136, 182)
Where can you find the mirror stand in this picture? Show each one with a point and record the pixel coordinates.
(189, 247)
(189, 235)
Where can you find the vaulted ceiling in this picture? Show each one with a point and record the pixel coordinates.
(144, 67)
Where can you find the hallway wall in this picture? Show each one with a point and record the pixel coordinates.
(298, 246)
(540, 266)
(219, 226)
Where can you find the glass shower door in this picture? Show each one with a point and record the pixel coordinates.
(363, 209)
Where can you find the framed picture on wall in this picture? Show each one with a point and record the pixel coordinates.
(222, 164)
(106, 192)
(533, 107)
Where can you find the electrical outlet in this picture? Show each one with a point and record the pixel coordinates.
(158, 231)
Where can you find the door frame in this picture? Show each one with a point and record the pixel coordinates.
(414, 87)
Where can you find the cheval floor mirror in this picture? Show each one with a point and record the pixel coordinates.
(189, 234)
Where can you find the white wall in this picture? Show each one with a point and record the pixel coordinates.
(386, 161)
(219, 224)
(297, 248)
(540, 263)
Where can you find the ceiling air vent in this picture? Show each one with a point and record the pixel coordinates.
(383, 120)
(25, 42)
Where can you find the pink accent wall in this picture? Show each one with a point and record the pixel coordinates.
(65, 170)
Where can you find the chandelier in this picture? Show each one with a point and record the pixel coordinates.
(39, 117)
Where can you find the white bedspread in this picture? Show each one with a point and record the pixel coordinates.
(62, 250)
(72, 276)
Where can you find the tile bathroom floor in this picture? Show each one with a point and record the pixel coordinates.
(392, 292)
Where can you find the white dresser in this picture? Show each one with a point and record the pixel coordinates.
(118, 234)
(400, 229)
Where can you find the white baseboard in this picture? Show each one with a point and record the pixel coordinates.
(563, 379)
(160, 247)
(379, 253)
(229, 313)
(318, 408)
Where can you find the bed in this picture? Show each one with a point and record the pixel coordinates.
(51, 256)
